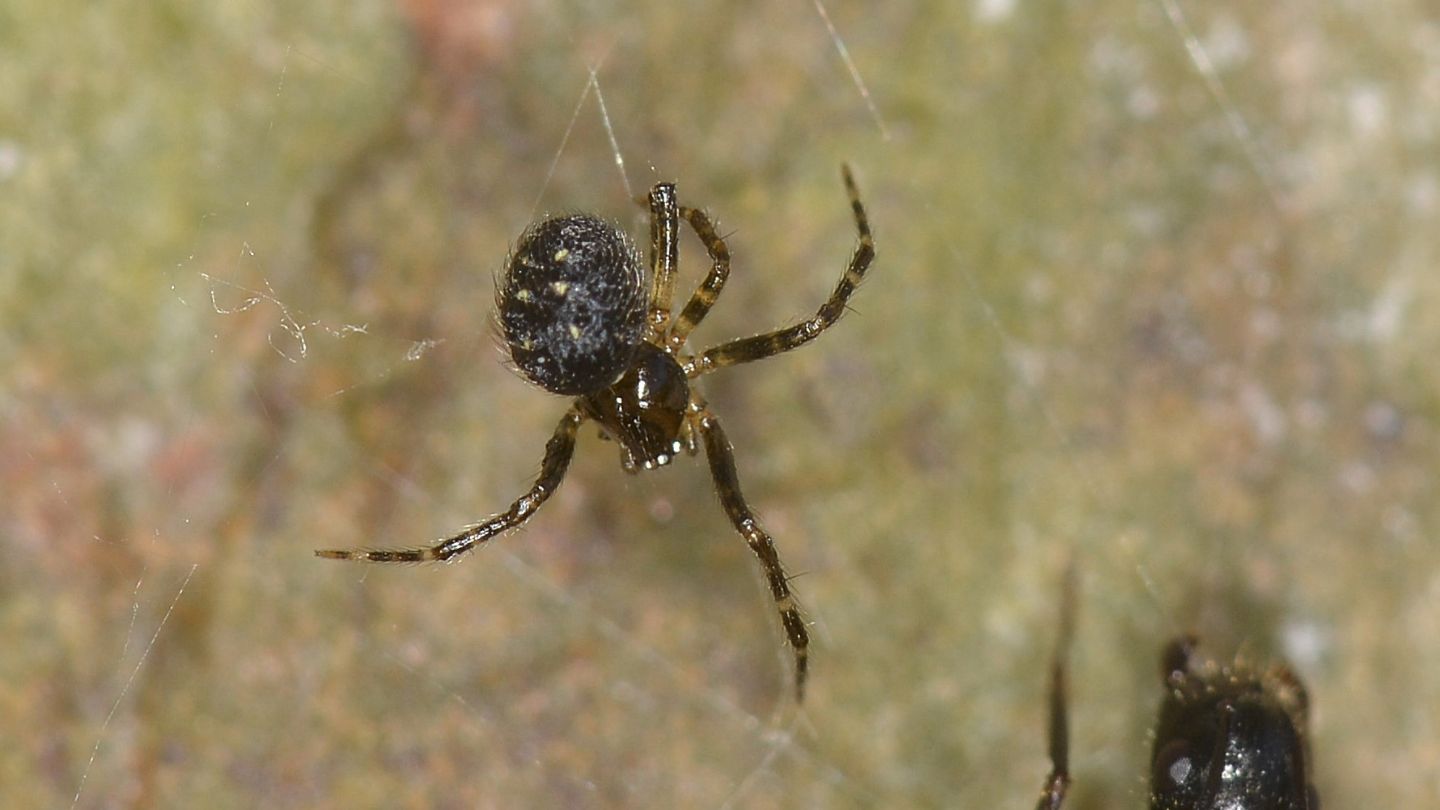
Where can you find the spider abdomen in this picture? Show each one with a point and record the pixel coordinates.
(572, 305)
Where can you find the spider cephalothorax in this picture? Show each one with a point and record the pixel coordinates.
(1228, 737)
(577, 320)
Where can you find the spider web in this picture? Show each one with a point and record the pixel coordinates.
(1147, 296)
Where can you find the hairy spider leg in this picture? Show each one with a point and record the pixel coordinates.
(727, 484)
(709, 289)
(783, 340)
(558, 452)
(1052, 793)
(664, 257)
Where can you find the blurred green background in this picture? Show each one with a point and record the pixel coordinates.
(1151, 300)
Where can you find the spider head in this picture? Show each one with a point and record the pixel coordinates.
(1229, 738)
(644, 411)
(571, 307)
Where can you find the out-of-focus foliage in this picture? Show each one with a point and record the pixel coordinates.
(246, 258)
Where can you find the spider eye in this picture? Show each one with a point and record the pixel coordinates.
(1176, 775)
(572, 306)
(1176, 763)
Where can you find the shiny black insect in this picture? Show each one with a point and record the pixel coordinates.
(576, 319)
(1228, 737)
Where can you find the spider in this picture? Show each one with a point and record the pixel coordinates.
(1228, 737)
(576, 320)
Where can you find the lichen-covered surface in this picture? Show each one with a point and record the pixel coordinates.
(1154, 288)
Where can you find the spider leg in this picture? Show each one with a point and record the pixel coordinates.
(664, 256)
(558, 452)
(727, 484)
(1052, 793)
(709, 290)
(783, 340)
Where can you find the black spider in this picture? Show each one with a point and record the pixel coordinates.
(1228, 738)
(576, 320)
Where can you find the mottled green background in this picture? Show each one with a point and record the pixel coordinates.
(1165, 305)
